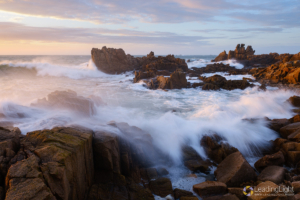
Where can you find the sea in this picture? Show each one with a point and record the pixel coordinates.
(173, 118)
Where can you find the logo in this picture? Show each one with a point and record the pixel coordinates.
(248, 191)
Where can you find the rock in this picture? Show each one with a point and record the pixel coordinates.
(198, 165)
(177, 80)
(277, 124)
(209, 86)
(218, 81)
(235, 170)
(162, 171)
(67, 100)
(269, 160)
(263, 191)
(216, 148)
(295, 101)
(210, 188)
(137, 192)
(143, 75)
(293, 77)
(61, 157)
(274, 174)
(289, 129)
(222, 56)
(161, 187)
(178, 193)
(113, 61)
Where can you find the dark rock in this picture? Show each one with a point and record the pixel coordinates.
(198, 165)
(274, 174)
(289, 129)
(277, 124)
(178, 193)
(269, 160)
(113, 61)
(239, 192)
(295, 101)
(209, 86)
(216, 149)
(235, 170)
(261, 193)
(161, 187)
(210, 188)
(162, 171)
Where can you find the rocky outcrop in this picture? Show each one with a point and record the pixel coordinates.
(113, 61)
(216, 82)
(235, 170)
(177, 80)
(246, 57)
(286, 73)
(58, 165)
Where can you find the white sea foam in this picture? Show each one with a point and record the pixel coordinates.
(202, 63)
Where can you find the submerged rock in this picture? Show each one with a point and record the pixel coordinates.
(69, 100)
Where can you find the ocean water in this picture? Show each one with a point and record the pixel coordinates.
(25, 79)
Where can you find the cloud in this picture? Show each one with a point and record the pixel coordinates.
(268, 12)
(243, 30)
(16, 31)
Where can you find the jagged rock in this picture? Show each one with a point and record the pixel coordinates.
(222, 56)
(193, 161)
(66, 165)
(274, 174)
(143, 75)
(210, 188)
(68, 100)
(209, 86)
(161, 187)
(177, 80)
(286, 73)
(113, 61)
(216, 149)
(276, 159)
(235, 170)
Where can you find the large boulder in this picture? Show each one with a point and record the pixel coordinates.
(276, 159)
(210, 188)
(295, 101)
(161, 187)
(60, 164)
(113, 61)
(272, 173)
(264, 191)
(289, 129)
(222, 56)
(235, 170)
(178, 193)
(177, 80)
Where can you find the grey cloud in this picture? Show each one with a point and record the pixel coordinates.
(17, 31)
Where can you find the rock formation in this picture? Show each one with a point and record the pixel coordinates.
(248, 59)
(286, 73)
(113, 61)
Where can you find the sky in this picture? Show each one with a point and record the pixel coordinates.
(187, 27)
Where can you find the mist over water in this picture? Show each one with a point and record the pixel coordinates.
(173, 118)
